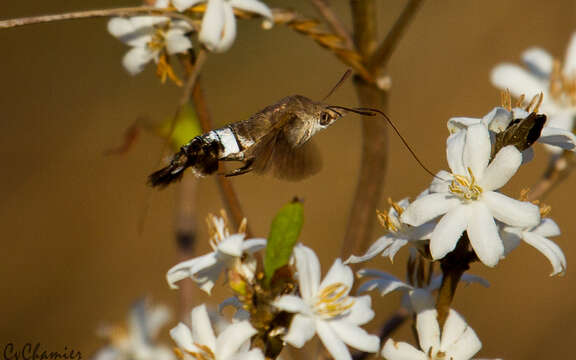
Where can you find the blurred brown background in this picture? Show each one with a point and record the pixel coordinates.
(71, 254)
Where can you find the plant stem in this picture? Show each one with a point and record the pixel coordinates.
(558, 170)
(127, 11)
(333, 21)
(383, 53)
(453, 266)
(227, 191)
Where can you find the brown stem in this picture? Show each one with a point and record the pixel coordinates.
(558, 169)
(127, 11)
(333, 21)
(383, 53)
(453, 266)
(227, 192)
(372, 171)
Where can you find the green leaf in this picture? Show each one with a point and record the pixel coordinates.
(284, 233)
(184, 129)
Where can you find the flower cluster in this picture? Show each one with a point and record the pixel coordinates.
(160, 37)
(465, 203)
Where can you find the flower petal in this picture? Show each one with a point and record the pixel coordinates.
(302, 329)
(448, 231)
(384, 282)
(189, 268)
(459, 340)
(549, 249)
(308, 268)
(501, 169)
(460, 123)
(538, 61)
(254, 354)
(428, 207)
(183, 337)
(229, 31)
(547, 228)
(331, 341)
(517, 80)
(338, 273)
(232, 245)
(361, 312)
(253, 245)
(561, 138)
(379, 245)
(477, 150)
(291, 303)
(232, 338)
(136, 59)
(202, 331)
(441, 182)
(212, 24)
(253, 6)
(177, 42)
(498, 119)
(454, 150)
(355, 337)
(483, 235)
(393, 350)
(510, 211)
(426, 319)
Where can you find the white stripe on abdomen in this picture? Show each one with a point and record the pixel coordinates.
(228, 141)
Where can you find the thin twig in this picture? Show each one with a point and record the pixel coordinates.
(383, 53)
(558, 170)
(127, 11)
(333, 21)
(227, 192)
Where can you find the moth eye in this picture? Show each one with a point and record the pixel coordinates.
(325, 119)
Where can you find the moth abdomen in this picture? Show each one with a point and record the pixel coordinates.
(201, 154)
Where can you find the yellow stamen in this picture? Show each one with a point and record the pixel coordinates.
(506, 99)
(333, 300)
(562, 87)
(465, 187)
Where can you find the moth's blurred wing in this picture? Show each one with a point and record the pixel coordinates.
(277, 153)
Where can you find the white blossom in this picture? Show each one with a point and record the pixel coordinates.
(150, 38)
(200, 342)
(455, 341)
(398, 235)
(325, 308)
(537, 236)
(137, 341)
(543, 74)
(219, 23)
(466, 199)
(500, 118)
(228, 248)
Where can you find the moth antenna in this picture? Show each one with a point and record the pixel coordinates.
(374, 112)
(338, 84)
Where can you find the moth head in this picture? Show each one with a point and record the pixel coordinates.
(327, 117)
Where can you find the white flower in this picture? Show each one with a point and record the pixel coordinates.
(219, 23)
(466, 198)
(537, 237)
(398, 235)
(200, 342)
(327, 309)
(386, 283)
(136, 342)
(205, 270)
(455, 341)
(151, 38)
(499, 118)
(547, 76)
